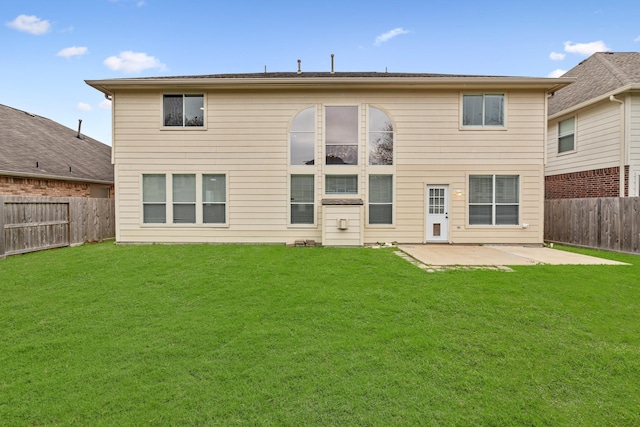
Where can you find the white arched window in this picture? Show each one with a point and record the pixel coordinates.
(302, 138)
(380, 138)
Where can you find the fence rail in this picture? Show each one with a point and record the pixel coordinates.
(611, 223)
(29, 224)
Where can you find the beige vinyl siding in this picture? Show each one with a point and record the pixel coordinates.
(246, 138)
(597, 140)
(633, 140)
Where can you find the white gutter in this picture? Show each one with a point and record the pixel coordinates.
(623, 147)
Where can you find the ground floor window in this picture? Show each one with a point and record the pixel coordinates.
(302, 199)
(214, 198)
(380, 199)
(494, 199)
(174, 198)
(154, 199)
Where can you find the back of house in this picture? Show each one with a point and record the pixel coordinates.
(343, 159)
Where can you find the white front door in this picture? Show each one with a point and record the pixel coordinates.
(437, 213)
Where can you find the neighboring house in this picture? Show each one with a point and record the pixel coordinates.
(39, 157)
(341, 159)
(593, 147)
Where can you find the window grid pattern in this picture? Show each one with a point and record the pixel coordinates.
(436, 201)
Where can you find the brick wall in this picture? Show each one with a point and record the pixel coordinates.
(16, 186)
(592, 183)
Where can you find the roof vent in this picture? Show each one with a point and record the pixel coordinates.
(299, 66)
(79, 126)
(332, 71)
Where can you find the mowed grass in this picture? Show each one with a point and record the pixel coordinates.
(267, 335)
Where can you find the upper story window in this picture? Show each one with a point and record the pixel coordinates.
(380, 138)
(302, 138)
(341, 133)
(566, 135)
(183, 110)
(483, 110)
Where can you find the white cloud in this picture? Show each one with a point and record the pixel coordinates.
(556, 73)
(30, 24)
(72, 51)
(557, 56)
(82, 106)
(133, 62)
(105, 104)
(586, 49)
(389, 35)
(637, 39)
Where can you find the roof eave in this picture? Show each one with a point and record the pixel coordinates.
(56, 177)
(628, 88)
(251, 83)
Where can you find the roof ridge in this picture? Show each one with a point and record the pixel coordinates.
(616, 71)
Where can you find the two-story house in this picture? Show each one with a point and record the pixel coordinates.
(336, 158)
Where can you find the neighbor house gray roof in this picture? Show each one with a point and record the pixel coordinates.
(31, 145)
(602, 73)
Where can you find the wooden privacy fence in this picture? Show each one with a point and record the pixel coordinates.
(30, 224)
(611, 223)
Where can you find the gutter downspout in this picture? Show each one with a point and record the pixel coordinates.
(623, 147)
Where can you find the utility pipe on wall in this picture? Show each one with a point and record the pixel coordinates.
(623, 145)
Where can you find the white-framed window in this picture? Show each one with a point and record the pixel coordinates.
(302, 204)
(341, 135)
(214, 198)
(494, 199)
(380, 199)
(184, 199)
(483, 110)
(154, 199)
(380, 138)
(341, 184)
(183, 110)
(567, 135)
(302, 138)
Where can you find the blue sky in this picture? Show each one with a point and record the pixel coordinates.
(51, 47)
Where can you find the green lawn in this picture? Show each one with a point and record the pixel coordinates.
(268, 335)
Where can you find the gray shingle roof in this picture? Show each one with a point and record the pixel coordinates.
(601, 73)
(30, 144)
